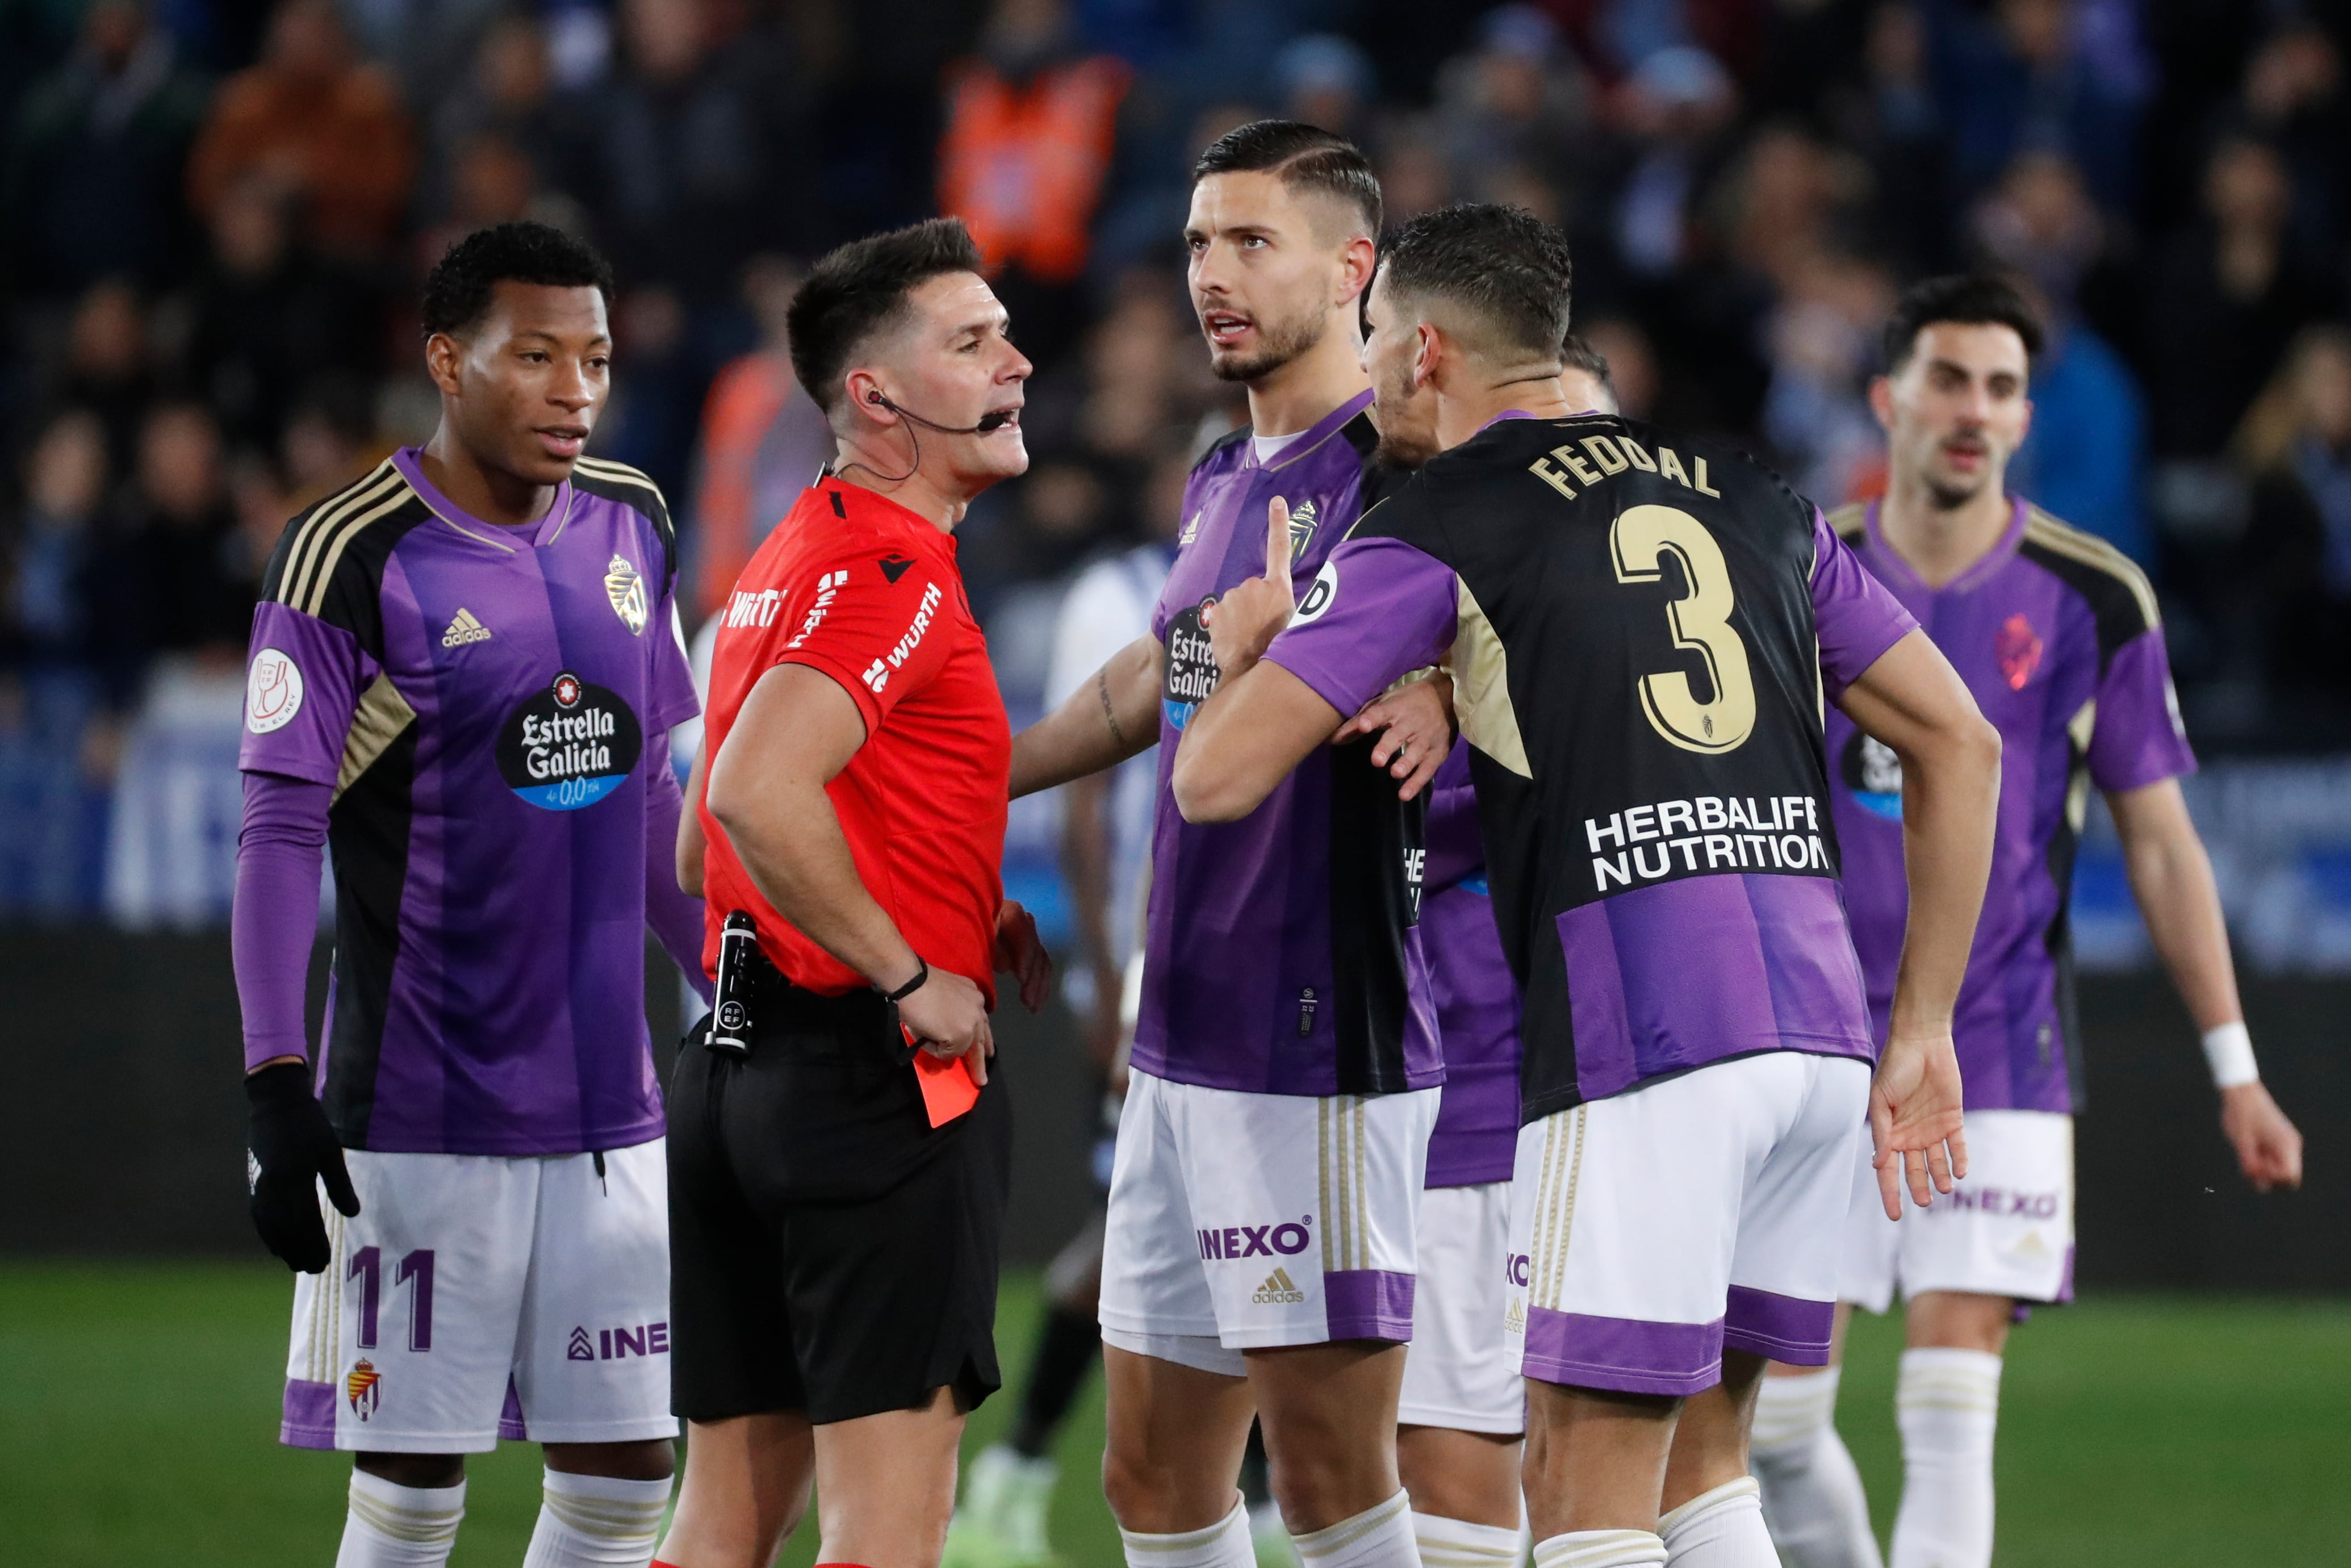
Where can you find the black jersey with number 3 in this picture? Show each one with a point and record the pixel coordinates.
(1642, 629)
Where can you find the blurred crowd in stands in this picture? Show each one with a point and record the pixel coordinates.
(214, 215)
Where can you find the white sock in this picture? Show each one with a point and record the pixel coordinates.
(399, 1527)
(1813, 1497)
(597, 1521)
(1224, 1544)
(1458, 1543)
(1602, 1549)
(1947, 1402)
(1720, 1529)
(1379, 1537)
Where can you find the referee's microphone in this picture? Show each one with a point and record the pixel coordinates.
(988, 422)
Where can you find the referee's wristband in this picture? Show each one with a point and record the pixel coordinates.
(2230, 1052)
(923, 974)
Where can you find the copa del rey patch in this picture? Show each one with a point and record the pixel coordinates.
(273, 691)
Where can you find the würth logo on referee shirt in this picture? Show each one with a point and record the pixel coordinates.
(464, 629)
(828, 587)
(877, 675)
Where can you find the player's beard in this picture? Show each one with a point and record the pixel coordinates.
(1402, 446)
(1280, 344)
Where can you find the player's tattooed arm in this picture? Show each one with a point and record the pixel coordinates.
(1913, 702)
(1107, 721)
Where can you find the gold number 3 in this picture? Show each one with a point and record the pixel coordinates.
(1701, 625)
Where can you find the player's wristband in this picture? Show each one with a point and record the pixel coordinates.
(911, 986)
(2230, 1051)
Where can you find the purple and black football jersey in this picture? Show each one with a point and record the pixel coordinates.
(1281, 954)
(1476, 1138)
(2057, 634)
(482, 701)
(1641, 629)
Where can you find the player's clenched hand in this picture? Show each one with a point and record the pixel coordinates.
(1019, 953)
(2268, 1145)
(1250, 614)
(291, 1149)
(1914, 1120)
(1414, 723)
(947, 1016)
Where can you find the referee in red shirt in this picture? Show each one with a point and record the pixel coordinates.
(833, 1219)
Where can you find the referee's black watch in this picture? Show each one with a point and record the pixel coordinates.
(911, 986)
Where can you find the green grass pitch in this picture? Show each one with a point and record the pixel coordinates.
(138, 1414)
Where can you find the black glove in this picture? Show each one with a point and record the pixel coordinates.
(290, 1148)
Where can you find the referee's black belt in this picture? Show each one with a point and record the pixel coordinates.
(777, 1001)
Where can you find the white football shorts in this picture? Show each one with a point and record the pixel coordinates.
(475, 1297)
(2006, 1230)
(1657, 1228)
(1462, 1371)
(1239, 1221)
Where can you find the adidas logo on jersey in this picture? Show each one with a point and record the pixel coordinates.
(1278, 1292)
(465, 629)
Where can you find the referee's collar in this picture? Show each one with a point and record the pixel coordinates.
(848, 501)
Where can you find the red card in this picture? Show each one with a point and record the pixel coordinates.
(948, 1088)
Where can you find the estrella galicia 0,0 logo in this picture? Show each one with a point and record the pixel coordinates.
(570, 745)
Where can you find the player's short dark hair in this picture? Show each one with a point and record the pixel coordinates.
(1503, 264)
(457, 290)
(1576, 354)
(860, 289)
(1305, 157)
(1962, 298)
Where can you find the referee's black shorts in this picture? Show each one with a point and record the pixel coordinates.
(831, 1252)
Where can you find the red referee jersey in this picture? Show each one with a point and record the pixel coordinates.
(857, 586)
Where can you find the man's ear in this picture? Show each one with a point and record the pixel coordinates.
(1881, 401)
(1427, 354)
(1358, 262)
(442, 356)
(864, 401)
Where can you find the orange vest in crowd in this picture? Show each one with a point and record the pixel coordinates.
(745, 400)
(1023, 167)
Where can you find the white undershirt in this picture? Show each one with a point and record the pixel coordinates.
(1269, 447)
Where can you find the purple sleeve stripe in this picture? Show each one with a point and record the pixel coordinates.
(1855, 617)
(1378, 609)
(2135, 739)
(280, 850)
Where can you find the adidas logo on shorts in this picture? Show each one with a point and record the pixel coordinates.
(1515, 1321)
(1278, 1292)
(465, 629)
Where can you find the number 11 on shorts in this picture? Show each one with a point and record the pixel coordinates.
(366, 1268)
